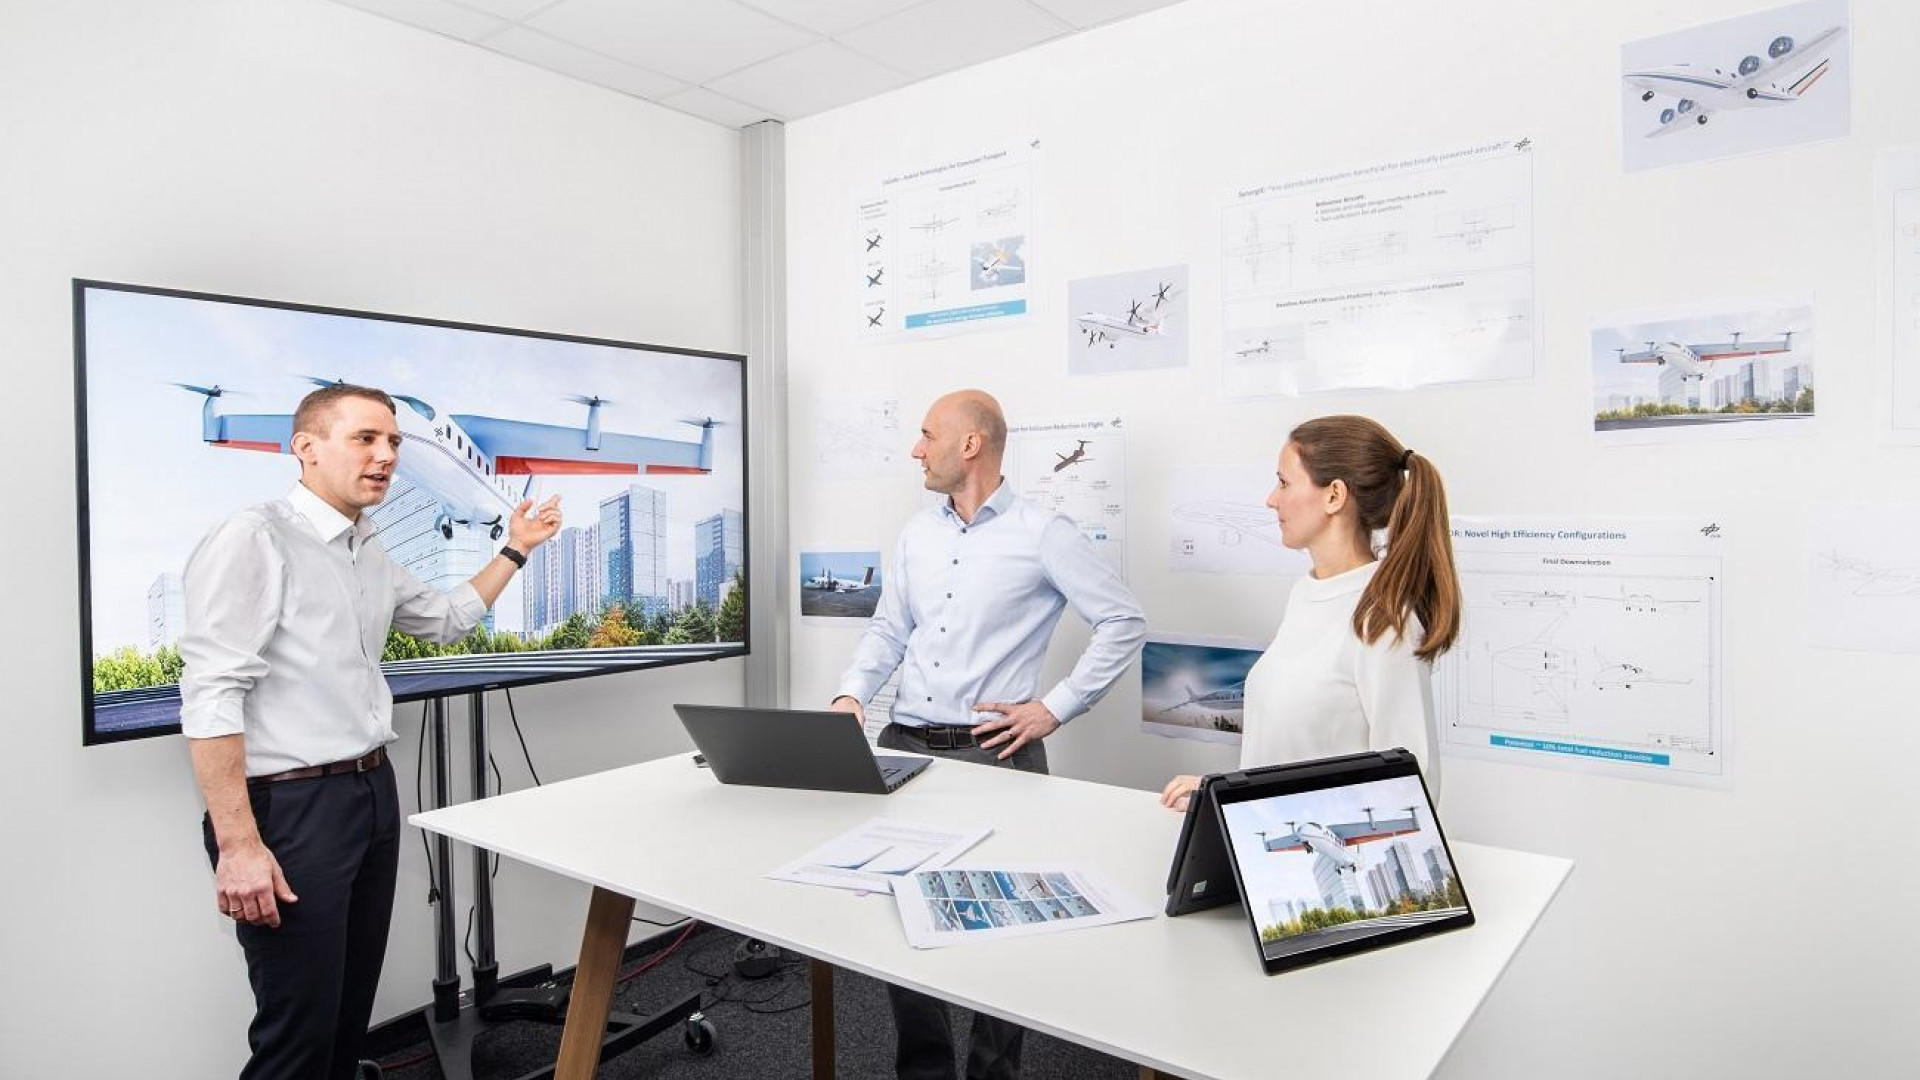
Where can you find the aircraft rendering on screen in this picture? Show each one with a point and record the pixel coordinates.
(1702, 90)
(1693, 361)
(825, 581)
(464, 461)
(1334, 840)
(1137, 323)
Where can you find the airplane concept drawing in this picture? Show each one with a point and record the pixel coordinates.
(825, 581)
(873, 320)
(1868, 578)
(1625, 675)
(873, 279)
(1079, 455)
(1693, 361)
(1701, 90)
(463, 460)
(1225, 708)
(1236, 521)
(1100, 327)
(1334, 840)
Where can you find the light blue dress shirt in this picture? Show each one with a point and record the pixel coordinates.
(970, 607)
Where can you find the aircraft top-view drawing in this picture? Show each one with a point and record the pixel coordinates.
(1788, 72)
(464, 460)
(1694, 360)
(1334, 840)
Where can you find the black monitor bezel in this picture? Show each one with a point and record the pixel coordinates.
(90, 736)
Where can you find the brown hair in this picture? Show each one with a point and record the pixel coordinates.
(1394, 489)
(315, 414)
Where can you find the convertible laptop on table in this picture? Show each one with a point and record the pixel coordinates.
(1330, 857)
(818, 751)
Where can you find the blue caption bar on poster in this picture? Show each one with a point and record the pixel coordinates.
(967, 314)
(1578, 750)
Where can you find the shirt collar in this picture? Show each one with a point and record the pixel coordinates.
(995, 505)
(329, 523)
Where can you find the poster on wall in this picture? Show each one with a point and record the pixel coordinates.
(1076, 467)
(1900, 291)
(945, 247)
(1218, 523)
(1728, 369)
(1738, 86)
(1396, 275)
(1588, 643)
(1863, 577)
(858, 436)
(1195, 687)
(839, 587)
(1136, 321)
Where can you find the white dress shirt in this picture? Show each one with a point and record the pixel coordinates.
(1319, 692)
(288, 604)
(970, 607)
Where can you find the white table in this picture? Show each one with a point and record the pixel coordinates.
(1183, 996)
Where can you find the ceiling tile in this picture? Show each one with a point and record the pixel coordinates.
(1085, 13)
(810, 80)
(946, 34)
(435, 15)
(693, 42)
(543, 51)
(708, 105)
(831, 16)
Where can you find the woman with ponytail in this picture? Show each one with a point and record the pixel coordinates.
(1349, 670)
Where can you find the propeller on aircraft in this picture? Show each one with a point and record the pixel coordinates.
(1780, 47)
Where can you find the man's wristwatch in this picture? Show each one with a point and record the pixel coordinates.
(514, 557)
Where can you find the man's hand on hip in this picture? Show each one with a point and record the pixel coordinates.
(850, 706)
(1022, 723)
(248, 885)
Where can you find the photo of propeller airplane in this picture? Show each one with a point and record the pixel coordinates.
(1142, 320)
(827, 581)
(1333, 841)
(1788, 71)
(1694, 361)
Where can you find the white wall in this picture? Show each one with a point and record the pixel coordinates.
(1755, 931)
(299, 150)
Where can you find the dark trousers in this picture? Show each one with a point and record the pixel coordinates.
(920, 1021)
(337, 839)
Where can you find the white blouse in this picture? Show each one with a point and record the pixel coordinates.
(1318, 692)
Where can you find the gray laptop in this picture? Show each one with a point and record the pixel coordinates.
(819, 751)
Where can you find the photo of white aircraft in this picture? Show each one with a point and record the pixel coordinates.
(464, 461)
(1225, 708)
(1788, 72)
(1334, 840)
(825, 581)
(1143, 319)
(1693, 361)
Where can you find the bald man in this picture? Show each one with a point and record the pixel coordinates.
(976, 589)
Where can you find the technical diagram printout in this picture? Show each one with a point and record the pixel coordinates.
(1590, 644)
(945, 247)
(870, 857)
(960, 905)
(1077, 468)
(1863, 578)
(1219, 523)
(1398, 275)
(1900, 195)
(858, 437)
(1135, 321)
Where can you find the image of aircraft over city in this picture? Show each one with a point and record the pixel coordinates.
(1715, 369)
(1695, 92)
(1332, 841)
(1693, 361)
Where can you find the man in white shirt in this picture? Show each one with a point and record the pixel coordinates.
(287, 714)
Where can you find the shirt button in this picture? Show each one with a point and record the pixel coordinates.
(943, 629)
(929, 699)
(956, 562)
(949, 596)
(963, 531)
(936, 663)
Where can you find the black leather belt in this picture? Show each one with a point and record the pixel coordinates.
(940, 736)
(373, 760)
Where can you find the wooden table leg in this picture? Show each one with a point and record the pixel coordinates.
(602, 945)
(820, 976)
(1148, 1072)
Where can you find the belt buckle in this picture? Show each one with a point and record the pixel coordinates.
(364, 764)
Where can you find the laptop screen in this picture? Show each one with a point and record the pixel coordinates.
(1337, 869)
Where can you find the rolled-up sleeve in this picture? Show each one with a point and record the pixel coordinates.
(1096, 594)
(884, 644)
(432, 615)
(232, 589)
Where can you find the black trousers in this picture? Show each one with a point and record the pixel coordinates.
(337, 839)
(925, 1049)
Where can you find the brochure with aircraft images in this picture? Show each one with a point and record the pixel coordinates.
(960, 904)
(872, 856)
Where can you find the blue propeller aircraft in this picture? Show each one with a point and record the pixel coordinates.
(464, 460)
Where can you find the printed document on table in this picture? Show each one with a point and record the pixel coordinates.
(872, 856)
(949, 906)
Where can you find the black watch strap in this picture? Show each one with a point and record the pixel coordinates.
(514, 557)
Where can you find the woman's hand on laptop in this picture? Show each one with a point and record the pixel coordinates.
(850, 706)
(1174, 796)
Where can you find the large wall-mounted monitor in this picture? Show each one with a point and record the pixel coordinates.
(185, 405)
